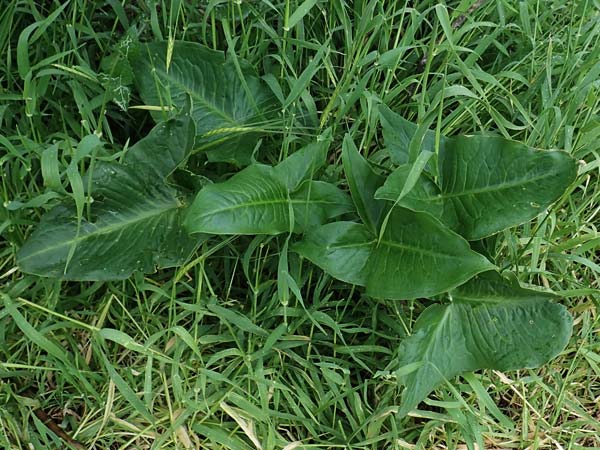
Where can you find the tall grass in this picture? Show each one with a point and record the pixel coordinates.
(198, 357)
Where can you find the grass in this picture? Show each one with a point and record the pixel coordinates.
(200, 357)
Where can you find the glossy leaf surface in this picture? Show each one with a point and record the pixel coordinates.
(363, 182)
(253, 201)
(418, 257)
(425, 196)
(136, 217)
(315, 202)
(341, 249)
(494, 183)
(486, 183)
(229, 108)
(491, 323)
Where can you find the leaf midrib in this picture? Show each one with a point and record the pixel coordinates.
(493, 187)
(198, 96)
(356, 245)
(498, 301)
(317, 202)
(243, 205)
(263, 203)
(111, 228)
(443, 195)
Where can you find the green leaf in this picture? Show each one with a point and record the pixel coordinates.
(412, 178)
(341, 249)
(253, 201)
(299, 13)
(425, 195)
(486, 184)
(494, 183)
(136, 217)
(32, 334)
(240, 321)
(418, 257)
(304, 163)
(398, 134)
(229, 113)
(317, 201)
(491, 324)
(30, 35)
(363, 182)
(415, 257)
(414, 174)
(126, 391)
(35, 202)
(164, 149)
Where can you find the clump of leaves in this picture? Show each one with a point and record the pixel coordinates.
(404, 235)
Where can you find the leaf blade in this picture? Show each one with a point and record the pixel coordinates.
(363, 182)
(486, 183)
(314, 202)
(253, 201)
(304, 163)
(491, 324)
(418, 257)
(225, 110)
(494, 183)
(425, 196)
(398, 134)
(136, 223)
(339, 248)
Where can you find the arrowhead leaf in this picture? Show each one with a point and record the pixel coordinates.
(253, 201)
(418, 257)
(228, 110)
(490, 324)
(136, 222)
(494, 183)
(486, 184)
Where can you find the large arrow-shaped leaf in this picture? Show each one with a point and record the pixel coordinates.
(256, 201)
(253, 201)
(486, 184)
(229, 106)
(136, 217)
(262, 199)
(490, 324)
(494, 183)
(418, 257)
